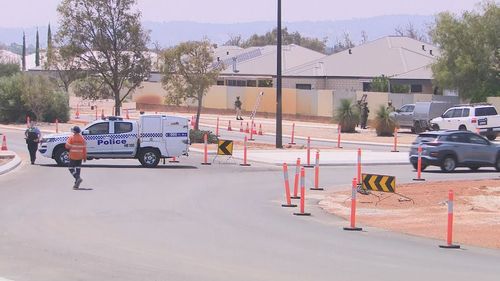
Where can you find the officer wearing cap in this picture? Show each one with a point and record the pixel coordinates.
(77, 153)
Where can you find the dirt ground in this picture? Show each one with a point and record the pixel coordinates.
(476, 210)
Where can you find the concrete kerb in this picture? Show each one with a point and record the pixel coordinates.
(12, 164)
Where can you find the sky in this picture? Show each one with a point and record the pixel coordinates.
(41, 12)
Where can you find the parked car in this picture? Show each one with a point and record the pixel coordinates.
(451, 149)
(417, 116)
(482, 118)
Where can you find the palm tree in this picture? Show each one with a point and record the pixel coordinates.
(384, 123)
(347, 116)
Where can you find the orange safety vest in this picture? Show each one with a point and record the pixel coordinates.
(77, 147)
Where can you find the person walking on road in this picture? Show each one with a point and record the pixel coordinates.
(77, 153)
(390, 107)
(237, 106)
(32, 136)
(364, 115)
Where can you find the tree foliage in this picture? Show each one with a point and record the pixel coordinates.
(8, 69)
(92, 88)
(410, 31)
(470, 52)
(37, 50)
(189, 73)
(382, 84)
(344, 43)
(107, 38)
(271, 38)
(347, 116)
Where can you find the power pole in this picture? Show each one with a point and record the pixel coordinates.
(279, 141)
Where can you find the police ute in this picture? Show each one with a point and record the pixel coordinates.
(148, 139)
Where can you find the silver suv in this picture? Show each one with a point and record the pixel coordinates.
(451, 149)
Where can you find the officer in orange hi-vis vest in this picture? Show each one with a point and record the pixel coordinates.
(77, 153)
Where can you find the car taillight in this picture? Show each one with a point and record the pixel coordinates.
(473, 120)
(434, 143)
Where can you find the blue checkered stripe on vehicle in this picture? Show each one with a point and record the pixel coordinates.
(174, 135)
(151, 135)
(59, 139)
(111, 136)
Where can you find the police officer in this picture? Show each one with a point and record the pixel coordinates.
(364, 115)
(77, 153)
(237, 106)
(390, 107)
(32, 136)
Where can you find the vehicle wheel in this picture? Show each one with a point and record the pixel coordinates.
(492, 137)
(417, 128)
(497, 164)
(62, 157)
(449, 164)
(474, 168)
(415, 166)
(149, 158)
(462, 128)
(435, 127)
(412, 130)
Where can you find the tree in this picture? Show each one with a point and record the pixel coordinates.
(23, 59)
(189, 73)
(270, 38)
(92, 88)
(49, 46)
(37, 50)
(8, 69)
(380, 84)
(364, 37)
(410, 31)
(469, 52)
(343, 44)
(234, 40)
(107, 38)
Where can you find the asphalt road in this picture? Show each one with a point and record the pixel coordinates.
(191, 222)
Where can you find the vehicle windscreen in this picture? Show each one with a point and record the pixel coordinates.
(423, 138)
(485, 111)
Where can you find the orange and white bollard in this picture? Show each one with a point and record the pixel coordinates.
(96, 112)
(395, 148)
(260, 130)
(229, 126)
(353, 227)
(302, 194)
(247, 130)
(254, 128)
(251, 133)
(449, 239)
(241, 126)
(57, 125)
(339, 132)
(77, 114)
(359, 165)
(296, 181)
(4, 143)
(28, 121)
(287, 188)
(292, 141)
(205, 150)
(245, 153)
(419, 165)
(102, 114)
(217, 128)
(174, 160)
(308, 165)
(316, 173)
(126, 114)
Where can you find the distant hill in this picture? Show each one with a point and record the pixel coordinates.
(171, 33)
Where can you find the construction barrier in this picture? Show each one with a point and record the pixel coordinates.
(225, 147)
(419, 165)
(229, 126)
(308, 165)
(302, 194)
(339, 132)
(247, 130)
(292, 141)
(296, 181)
(245, 153)
(449, 244)
(353, 227)
(77, 112)
(287, 188)
(380, 183)
(251, 133)
(241, 126)
(4, 143)
(96, 112)
(359, 165)
(205, 154)
(316, 174)
(395, 148)
(260, 130)
(217, 128)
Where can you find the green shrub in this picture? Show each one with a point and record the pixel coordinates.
(12, 108)
(347, 115)
(58, 108)
(384, 123)
(197, 136)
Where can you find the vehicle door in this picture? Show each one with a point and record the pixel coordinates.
(124, 140)
(459, 144)
(406, 115)
(448, 123)
(176, 134)
(480, 150)
(98, 139)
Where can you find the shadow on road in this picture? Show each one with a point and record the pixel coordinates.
(459, 172)
(83, 189)
(123, 166)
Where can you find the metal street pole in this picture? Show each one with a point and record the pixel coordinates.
(279, 141)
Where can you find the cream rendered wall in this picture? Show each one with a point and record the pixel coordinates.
(216, 98)
(305, 102)
(375, 101)
(325, 103)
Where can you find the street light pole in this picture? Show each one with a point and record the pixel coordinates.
(279, 142)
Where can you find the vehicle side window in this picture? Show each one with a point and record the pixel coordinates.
(466, 112)
(123, 127)
(448, 113)
(457, 138)
(485, 111)
(457, 113)
(410, 108)
(477, 140)
(99, 129)
(403, 108)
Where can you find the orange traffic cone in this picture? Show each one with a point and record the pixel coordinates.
(247, 130)
(229, 126)
(77, 112)
(4, 143)
(260, 130)
(254, 131)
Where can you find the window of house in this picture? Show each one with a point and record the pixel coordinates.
(367, 86)
(416, 88)
(251, 83)
(303, 86)
(220, 82)
(265, 83)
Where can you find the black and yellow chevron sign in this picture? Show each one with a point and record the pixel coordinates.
(379, 183)
(225, 147)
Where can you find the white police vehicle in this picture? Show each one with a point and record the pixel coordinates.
(149, 139)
